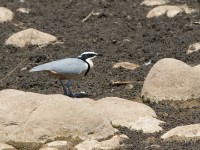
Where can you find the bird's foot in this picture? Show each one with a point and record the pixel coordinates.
(78, 95)
(65, 92)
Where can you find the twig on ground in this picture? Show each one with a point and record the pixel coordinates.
(90, 14)
(12, 70)
(197, 22)
(120, 82)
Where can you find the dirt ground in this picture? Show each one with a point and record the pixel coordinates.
(121, 32)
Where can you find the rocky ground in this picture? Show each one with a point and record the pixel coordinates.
(121, 32)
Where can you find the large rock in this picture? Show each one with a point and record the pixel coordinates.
(133, 115)
(5, 15)
(31, 117)
(183, 132)
(171, 79)
(30, 37)
(4, 146)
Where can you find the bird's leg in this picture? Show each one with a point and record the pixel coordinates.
(64, 89)
(71, 94)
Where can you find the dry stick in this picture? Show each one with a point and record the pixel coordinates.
(197, 22)
(120, 82)
(12, 70)
(88, 16)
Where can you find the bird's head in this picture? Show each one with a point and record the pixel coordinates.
(88, 55)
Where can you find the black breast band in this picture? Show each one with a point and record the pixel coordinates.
(88, 69)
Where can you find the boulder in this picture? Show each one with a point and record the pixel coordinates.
(4, 146)
(5, 15)
(30, 37)
(171, 79)
(125, 113)
(32, 117)
(186, 132)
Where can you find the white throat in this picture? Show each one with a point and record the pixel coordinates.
(89, 61)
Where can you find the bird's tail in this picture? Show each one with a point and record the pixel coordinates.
(37, 68)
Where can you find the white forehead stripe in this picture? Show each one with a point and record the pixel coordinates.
(88, 53)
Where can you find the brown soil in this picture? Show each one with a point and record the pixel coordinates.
(121, 32)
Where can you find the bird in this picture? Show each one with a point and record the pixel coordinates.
(69, 69)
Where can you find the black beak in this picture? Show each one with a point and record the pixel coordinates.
(99, 55)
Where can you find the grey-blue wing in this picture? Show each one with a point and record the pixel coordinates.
(64, 66)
